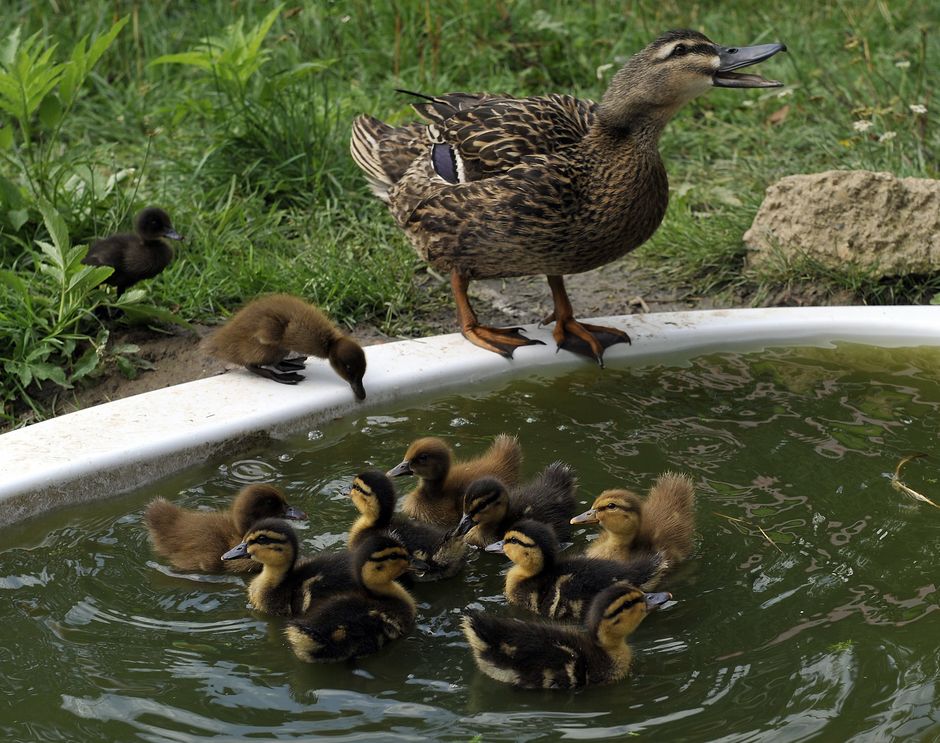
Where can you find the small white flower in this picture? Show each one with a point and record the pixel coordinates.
(903, 64)
(785, 93)
(918, 108)
(602, 70)
(862, 126)
(887, 137)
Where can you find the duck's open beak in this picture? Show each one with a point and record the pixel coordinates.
(238, 551)
(495, 547)
(400, 469)
(173, 235)
(465, 525)
(733, 58)
(294, 513)
(588, 517)
(655, 600)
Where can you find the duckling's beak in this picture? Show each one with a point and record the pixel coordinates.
(173, 235)
(418, 566)
(655, 600)
(732, 58)
(294, 513)
(588, 517)
(400, 469)
(465, 525)
(358, 390)
(238, 551)
(496, 547)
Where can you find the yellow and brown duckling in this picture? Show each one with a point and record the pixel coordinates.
(438, 499)
(289, 584)
(562, 587)
(195, 540)
(373, 494)
(663, 522)
(361, 621)
(546, 655)
(489, 509)
(139, 256)
(267, 330)
(494, 186)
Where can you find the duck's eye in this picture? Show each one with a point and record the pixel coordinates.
(678, 50)
(612, 507)
(262, 539)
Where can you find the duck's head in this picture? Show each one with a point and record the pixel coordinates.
(530, 544)
(374, 497)
(677, 67)
(272, 542)
(617, 610)
(429, 458)
(349, 361)
(617, 511)
(380, 559)
(485, 502)
(261, 501)
(153, 223)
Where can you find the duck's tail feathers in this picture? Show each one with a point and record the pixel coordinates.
(161, 514)
(364, 145)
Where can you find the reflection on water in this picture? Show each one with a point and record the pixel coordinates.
(809, 609)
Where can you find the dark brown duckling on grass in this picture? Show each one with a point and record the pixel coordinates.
(266, 331)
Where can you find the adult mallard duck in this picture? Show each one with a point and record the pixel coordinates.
(497, 187)
(663, 521)
(543, 655)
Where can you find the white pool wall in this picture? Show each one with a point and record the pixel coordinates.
(109, 449)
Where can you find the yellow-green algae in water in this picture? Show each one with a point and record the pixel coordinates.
(828, 633)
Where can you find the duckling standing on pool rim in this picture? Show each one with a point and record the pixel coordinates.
(562, 588)
(663, 522)
(542, 655)
(374, 496)
(195, 540)
(494, 186)
(489, 509)
(289, 584)
(265, 332)
(362, 621)
(135, 257)
(438, 498)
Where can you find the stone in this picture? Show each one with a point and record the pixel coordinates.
(877, 222)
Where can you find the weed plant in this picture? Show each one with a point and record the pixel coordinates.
(235, 117)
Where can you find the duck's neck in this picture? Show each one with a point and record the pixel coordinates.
(361, 524)
(615, 645)
(269, 579)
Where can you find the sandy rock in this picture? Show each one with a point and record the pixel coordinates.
(875, 221)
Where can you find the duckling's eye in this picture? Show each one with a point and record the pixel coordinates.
(511, 540)
(262, 539)
(679, 50)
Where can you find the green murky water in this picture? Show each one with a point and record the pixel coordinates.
(831, 635)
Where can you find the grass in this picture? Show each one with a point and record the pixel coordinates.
(235, 116)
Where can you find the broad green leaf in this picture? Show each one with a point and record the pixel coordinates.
(6, 137)
(86, 364)
(56, 226)
(9, 47)
(195, 59)
(18, 217)
(50, 111)
(44, 370)
(88, 278)
(14, 282)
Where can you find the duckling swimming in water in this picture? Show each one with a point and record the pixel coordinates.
(548, 655)
(139, 256)
(493, 186)
(438, 499)
(195, 540)
(489, 509)
(562, 587)
(361, 621)
(265, 332)
(663, 522)
(289, 584)
(373, 495)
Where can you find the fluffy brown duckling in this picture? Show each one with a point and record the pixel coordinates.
(195, 540)
(438, 499)
(441, 553)
(139, 256)
(289, 584)
(562, 587)
(489, 509)
(549, 655)
(663, 522)
(266, 331)
(363, 620)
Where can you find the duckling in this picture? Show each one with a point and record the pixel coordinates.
(662, 522)
(289, 584)
(139, 256)
(489, 509)
(562, 588)
(373, 495)
(495, 186)
(545, 655)
(264, 333)
(194, 540)
(361, 621)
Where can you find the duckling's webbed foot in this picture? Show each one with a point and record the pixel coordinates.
(282, 377)
(293, 364)
(577, 337)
